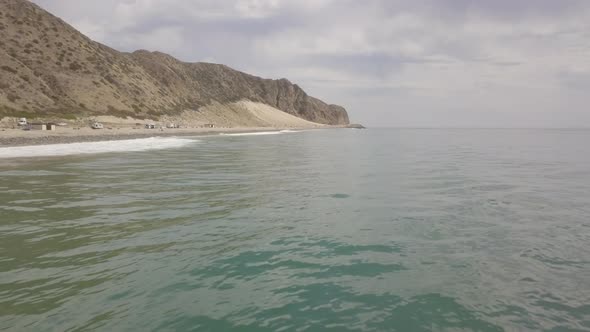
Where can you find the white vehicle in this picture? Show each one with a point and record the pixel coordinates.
(172, 125)
(22, 121)
(97, 125)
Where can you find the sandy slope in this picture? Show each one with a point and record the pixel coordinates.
(273, 117)
(244, 113)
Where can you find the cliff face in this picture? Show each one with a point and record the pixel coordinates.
(47, 68)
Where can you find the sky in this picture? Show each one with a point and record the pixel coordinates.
(392, 63)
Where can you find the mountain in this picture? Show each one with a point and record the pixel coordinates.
(49, 69)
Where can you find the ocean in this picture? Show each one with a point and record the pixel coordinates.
(320, 230)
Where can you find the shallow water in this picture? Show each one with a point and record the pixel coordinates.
(375, 230)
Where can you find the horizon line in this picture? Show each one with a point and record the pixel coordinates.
(453, 127)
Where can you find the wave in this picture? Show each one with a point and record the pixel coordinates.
(261, 133)
(131, 145)
(258, 133)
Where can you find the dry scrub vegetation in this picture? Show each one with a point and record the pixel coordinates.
(48, 69)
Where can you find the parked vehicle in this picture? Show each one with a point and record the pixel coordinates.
(97, 125)
(22, 122)
(150, 126)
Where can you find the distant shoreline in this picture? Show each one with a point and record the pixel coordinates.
(18, 137)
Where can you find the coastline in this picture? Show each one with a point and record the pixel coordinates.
(64, 135)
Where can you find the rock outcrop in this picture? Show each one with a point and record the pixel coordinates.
(47, 68)
(356, 126)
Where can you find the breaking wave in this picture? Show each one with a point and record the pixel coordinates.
(261, 133)
(50, 150)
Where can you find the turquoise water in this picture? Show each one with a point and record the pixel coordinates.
(332, 230)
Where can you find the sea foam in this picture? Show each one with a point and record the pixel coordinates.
(142, 144)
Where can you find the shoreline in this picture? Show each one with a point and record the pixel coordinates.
(18, 137)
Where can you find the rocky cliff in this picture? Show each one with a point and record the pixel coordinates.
(47, 68)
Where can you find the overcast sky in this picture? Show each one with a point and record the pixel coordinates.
(431, 63)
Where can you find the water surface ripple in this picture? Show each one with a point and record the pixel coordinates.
(331, 230)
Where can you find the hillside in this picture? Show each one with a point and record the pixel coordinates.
(49, 69)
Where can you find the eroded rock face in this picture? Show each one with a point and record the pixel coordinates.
(47, 68)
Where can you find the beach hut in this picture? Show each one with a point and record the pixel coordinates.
(38, 126)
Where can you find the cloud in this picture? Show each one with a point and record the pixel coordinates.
(393, 62)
